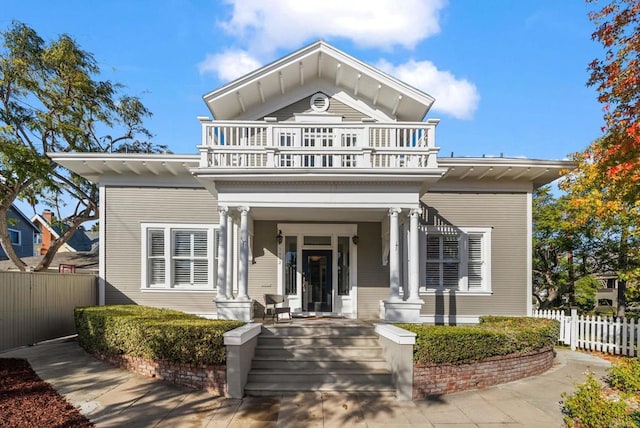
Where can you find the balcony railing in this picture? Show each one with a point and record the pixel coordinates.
(318, 145)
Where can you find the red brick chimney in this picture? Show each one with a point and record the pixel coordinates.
(48, 216)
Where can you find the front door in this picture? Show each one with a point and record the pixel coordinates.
(317, 280)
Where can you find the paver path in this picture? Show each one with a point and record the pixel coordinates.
(113, 397)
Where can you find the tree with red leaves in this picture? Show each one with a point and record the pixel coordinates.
(617, 79)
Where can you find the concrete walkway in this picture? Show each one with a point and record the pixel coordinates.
(113, 397)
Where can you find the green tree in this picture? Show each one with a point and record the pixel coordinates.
(609, 224)
(51, 100)
(586, 288)
(615, 158)
(552, 242)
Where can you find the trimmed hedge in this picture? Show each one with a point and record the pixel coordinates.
(158, 334)
(492, 337)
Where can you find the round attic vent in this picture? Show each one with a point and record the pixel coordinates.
(319, 102)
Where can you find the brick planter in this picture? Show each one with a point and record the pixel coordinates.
(212, 379)
(437, 379)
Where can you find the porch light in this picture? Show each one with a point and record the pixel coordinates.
(279, 237)
(355, 239)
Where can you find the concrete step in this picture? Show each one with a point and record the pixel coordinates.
(265, 363)
(319, 356)
(318, 340)
(345, 377)
(346, 330)
(270, 389)
(323, 353)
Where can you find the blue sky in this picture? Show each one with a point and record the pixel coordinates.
(508, 76)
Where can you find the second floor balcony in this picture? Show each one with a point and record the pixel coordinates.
(366, 145)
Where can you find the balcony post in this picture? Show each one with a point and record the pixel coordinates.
(271, 157)
(205, 160)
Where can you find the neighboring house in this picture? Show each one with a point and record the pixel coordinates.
(51, 229)
(23, 233)
(319, 180)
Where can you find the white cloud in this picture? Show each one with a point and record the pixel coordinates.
(457, 97)
(268, 25)
(229, 65)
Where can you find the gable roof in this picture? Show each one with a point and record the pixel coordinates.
(313, 64)
(24, 217)
(79, 241)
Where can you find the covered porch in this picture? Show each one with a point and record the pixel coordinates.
(338, 260)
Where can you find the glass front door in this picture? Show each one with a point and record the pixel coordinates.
(317, 280)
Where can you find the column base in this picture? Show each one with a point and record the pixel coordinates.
(235, 310)
(402, 311)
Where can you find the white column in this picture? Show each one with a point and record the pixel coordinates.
(243, 268)
(394, 254)
(222, 254)
(414, 255)
(230, 256)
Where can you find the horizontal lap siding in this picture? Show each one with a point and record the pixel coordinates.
(373, 276)
(303, 106)
(506, 214)
(263, 270)
(126, 209)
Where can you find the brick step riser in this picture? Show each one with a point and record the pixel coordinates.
(318, 341)
(318, 365)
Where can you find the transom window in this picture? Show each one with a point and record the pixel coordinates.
(458, 259)
(179, 256)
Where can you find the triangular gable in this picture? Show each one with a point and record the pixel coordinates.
(318, 66)
(25, 218)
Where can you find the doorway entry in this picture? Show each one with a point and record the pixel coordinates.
(317, 274)
(317, 268)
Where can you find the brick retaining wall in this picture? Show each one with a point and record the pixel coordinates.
(436, 379)
(212, 379)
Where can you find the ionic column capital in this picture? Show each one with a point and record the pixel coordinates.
(394, 211)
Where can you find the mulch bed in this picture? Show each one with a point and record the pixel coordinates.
(28, 401)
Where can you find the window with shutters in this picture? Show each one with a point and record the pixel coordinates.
(458, 259)
(179, 256)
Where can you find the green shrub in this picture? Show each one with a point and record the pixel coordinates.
(625, 375)
(159, 334)
(492, 337)
(589, 407)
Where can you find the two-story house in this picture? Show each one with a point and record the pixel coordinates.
(319, 179)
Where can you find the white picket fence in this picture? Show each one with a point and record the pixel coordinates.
(611, 335)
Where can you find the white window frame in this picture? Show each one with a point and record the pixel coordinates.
(463, 257)
(19, 236)
(169, 230)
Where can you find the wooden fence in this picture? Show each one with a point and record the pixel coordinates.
(611, 335)
(39, 306)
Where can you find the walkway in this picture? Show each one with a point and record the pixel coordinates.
(113, 397)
